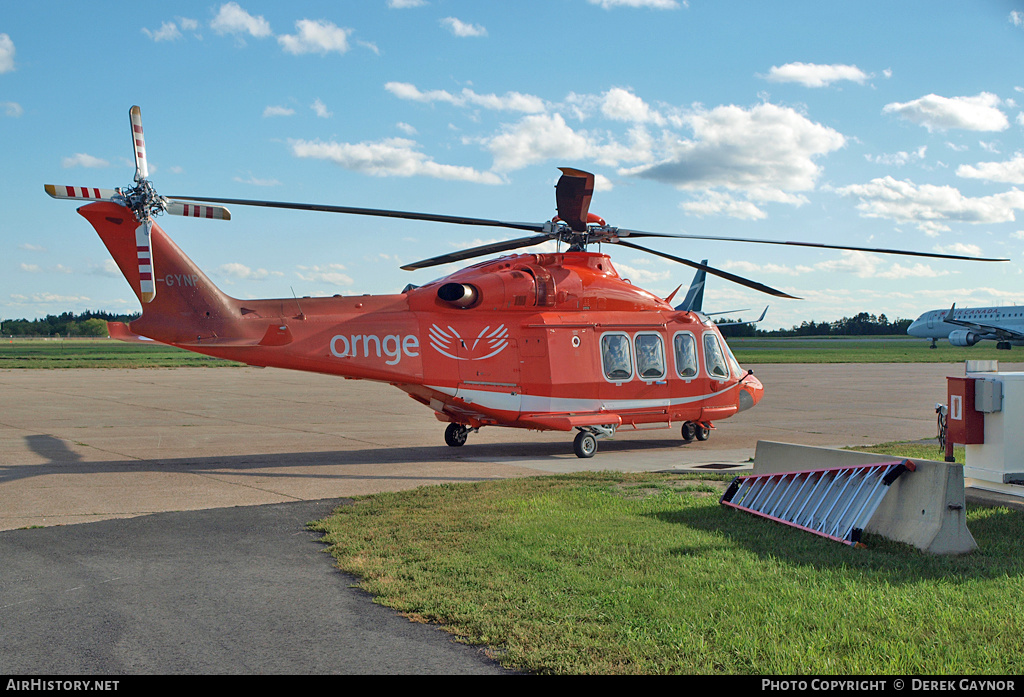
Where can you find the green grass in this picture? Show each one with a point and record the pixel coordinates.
(609, 573)
(878, 349)
(912, 450)
(98, 353)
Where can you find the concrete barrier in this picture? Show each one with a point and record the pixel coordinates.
(924, 508)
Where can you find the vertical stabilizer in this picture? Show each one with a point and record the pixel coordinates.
(694, 300)
(180, 304)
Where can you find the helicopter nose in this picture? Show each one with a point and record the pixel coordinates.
(751, 391)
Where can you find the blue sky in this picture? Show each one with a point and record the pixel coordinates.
(865, 123)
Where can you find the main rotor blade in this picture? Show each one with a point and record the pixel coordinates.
(378, 212)
(712, 270)
(478, 251)
(138, 144)
(821, 245)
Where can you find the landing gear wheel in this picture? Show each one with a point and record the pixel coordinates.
(455, 435)
(703, 432)
(585, 444)
(689, 431)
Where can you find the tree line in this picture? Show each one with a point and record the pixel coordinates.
(88, 323)
(861, 324)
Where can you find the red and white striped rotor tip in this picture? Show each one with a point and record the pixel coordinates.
(80, 192)
(138, 144)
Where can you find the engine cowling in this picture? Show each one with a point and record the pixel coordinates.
(963, 337)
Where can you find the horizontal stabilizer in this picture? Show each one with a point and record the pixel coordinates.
(121, 332)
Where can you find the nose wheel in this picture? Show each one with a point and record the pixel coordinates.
(455, 435)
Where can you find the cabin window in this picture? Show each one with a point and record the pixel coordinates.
(616, 357)
(686, 355)
(650, 356)
(714, 359)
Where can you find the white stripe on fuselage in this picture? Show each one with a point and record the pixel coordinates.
(538, 404)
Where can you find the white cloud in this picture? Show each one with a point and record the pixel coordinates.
(815, 75)
(278, 111)
(751, 268)
(641, 276)
(31, 268)
(29, 247)
(81, 159)
(460, 28)
(898, 159)
(316, 36)
(321, 109)
(402, 4)
(978, 113)
(331, 273)
(106, 268)
(651, 4)
(1009, 172)
(243, 272)
(970, 250)
(405, 128)
(720, 203)
(168, 31)
(6, 54)
(391, 157)
(535, 139)
(622, 105)
(930, 207)
(766, 152)
(257, 182)
(1017, 18)
(865, 265)
(12, 109)
(510, 101)
(45, 298)
(232, 19)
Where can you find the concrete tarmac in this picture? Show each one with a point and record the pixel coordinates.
(87, 445)
(153, 520)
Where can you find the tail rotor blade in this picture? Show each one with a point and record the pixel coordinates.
(147, 285)
(90, 193)
(139, 144)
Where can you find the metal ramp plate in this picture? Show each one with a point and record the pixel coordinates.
(835, 502)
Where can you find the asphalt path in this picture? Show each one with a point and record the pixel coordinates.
(238, 591)
(152, 522)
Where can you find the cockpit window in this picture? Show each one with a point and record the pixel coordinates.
(733, 363)
(714, 359)
(650, 356)
(616, 357)
(686, 355)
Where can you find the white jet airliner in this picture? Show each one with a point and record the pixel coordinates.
(969, 325)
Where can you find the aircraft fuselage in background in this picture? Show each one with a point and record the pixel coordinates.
(969, 325)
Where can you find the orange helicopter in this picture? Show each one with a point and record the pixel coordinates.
(554, 341)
